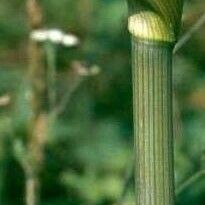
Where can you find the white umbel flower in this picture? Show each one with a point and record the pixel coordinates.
(55, 36)
(70, 40)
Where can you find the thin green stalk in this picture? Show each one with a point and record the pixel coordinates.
(154, 26)
(32, 195)
(127, 181)
(188, 35)
(190, 181)
(51, 73)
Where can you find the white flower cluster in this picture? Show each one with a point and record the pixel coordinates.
(55, 36)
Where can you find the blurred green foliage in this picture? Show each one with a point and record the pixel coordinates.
(90, 144)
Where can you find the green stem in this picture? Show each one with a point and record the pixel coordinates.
(51, 73)
(152, 93)
(32, 190)
(154, 26)
(190, 181)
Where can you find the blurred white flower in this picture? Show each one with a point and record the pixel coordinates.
(70, 40)
(55, 36)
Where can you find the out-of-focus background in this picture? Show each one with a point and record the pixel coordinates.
(85, 156)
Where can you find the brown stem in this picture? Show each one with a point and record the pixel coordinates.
(38, 122)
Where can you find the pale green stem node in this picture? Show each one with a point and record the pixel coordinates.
(150, 27)
(155, 20)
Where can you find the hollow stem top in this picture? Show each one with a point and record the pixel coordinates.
(155, 20)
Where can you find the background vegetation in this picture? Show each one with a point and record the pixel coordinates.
(89, 148)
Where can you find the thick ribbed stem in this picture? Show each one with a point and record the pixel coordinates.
(152, 79)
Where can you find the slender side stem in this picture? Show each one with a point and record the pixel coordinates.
(127, 182)
(190, 181)
(152, 92)
(32, 186)
(51, 73)
(188, 35)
